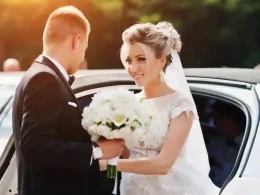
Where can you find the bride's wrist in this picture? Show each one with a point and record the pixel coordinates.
(113, 161)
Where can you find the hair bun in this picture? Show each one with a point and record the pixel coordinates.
(173, 36)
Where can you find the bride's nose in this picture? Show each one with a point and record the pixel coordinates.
(133, 67)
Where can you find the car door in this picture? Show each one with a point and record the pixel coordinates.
(248, 179)
(6, 140)
(243, 95)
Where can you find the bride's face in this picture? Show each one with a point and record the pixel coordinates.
(141, 64)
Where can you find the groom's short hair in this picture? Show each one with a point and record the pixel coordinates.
(65, 21)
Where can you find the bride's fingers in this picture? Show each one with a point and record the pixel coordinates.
(120, 151)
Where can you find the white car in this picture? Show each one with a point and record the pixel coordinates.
(228, 104)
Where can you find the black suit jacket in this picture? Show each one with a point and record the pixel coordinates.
(53, 150)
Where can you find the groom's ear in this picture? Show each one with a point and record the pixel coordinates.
(76, 40)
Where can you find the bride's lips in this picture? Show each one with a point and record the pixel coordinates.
(138, 76)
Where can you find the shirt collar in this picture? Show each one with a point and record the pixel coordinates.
(59, 66)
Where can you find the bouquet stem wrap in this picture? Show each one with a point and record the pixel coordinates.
(111, 168)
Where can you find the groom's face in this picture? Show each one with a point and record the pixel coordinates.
(141, 64)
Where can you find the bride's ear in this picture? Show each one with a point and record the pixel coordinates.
(163, 61)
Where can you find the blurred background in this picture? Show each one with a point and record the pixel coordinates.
(215, 33)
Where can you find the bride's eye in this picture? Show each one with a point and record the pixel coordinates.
(141, 59)
(128, 61)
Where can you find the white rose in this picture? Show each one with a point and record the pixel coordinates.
(104, 131)
(92, 130)
(103, 113)
(85, 124)
(94, 138)
(115, 134)
(125, 132)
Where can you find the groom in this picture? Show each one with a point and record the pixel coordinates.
(55, 154)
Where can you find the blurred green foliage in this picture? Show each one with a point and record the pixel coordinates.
(214, 32)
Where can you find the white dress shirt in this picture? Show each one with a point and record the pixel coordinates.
(59, 66)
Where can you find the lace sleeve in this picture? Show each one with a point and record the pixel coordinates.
(182, 104)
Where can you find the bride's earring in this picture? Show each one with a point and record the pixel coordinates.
(162, 75)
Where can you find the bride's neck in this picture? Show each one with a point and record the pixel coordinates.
(156, 90)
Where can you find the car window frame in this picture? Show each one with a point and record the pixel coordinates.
(245, 109)
(249, 161)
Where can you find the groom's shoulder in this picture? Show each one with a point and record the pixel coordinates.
(39, 74)
(37, 68)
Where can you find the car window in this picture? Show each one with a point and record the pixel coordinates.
(223, 126)
(5, 95)
(5, 128)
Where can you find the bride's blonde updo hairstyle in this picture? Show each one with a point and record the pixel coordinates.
(161, 38)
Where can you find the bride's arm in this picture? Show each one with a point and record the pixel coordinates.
(158, 165)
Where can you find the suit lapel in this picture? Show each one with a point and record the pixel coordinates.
(45, 61)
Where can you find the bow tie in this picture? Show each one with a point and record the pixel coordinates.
(71, 79)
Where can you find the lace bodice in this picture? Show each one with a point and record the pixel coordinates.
(162, 110)
(192, 161)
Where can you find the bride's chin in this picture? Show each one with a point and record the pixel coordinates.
(139, 84)
(139, 81)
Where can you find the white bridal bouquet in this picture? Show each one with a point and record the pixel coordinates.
(115, 114)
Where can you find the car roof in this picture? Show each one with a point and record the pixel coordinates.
(232, 74)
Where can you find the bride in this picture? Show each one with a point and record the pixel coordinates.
(172, 159)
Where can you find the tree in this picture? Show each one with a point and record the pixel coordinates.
(214, 32)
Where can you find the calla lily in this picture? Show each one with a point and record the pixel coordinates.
(118, 118)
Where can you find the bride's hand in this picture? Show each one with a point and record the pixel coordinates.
(125, 153)
(103, 165)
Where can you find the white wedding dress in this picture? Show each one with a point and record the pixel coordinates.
(189, 173)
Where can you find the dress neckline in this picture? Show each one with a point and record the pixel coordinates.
(141, 94)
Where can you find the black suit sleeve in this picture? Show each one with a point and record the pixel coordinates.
(42, 106)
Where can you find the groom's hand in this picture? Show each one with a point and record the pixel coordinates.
(111, 148)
